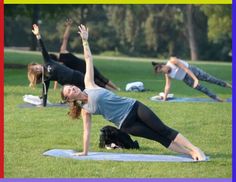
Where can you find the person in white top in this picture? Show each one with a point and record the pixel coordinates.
(180, 70)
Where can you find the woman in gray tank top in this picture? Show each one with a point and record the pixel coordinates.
(129, 115)
(181, 70)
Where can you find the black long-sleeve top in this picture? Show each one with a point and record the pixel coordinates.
(75, 63)
(54, 71)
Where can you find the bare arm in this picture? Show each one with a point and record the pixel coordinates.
(86, 132)
(167, 87)
(55, 85)
(66, 35)
(89, 75)
(188, 71)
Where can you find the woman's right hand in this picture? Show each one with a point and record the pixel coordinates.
(35, 30)
(196, 82)
(164, 98)
(83, 31)
(68, 22)
(80, 154)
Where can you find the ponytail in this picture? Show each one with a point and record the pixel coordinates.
(75, 108)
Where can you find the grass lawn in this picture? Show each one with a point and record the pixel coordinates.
(29, 132)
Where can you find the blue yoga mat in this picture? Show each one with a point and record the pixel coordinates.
(187, 99)
(101, 156)
(27, 105)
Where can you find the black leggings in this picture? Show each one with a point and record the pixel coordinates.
(142, 122)
(78, 80)
(99, 79)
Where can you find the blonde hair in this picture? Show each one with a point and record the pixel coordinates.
(75, 108)
(33, 76)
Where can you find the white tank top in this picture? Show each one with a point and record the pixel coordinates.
(177, 72)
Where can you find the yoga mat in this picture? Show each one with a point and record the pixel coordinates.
(101, 156)
(186, 99)
(27, 105)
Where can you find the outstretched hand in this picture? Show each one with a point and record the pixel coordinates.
(35, 30)
(196, 83)
(68, 22)
(83, 31)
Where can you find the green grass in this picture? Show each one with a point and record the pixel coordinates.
(29, 132)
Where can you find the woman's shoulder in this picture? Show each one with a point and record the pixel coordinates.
(93, 88)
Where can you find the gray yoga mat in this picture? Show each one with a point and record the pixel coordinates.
(188, 99)
(27, 105)
(101, 156)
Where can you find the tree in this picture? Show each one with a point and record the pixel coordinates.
(191, 34)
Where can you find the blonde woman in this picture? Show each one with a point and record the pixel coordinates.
(51, 71)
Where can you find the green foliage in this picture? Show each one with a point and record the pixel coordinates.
(218, 16)
(136, 30)
(29, 132)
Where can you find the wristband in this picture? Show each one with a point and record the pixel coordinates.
(85, 43)
(38, 36)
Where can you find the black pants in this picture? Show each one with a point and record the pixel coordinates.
(142, 122)
(203, 76)
(78, 80)
(99, 79)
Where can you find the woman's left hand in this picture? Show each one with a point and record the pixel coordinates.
(68, 22)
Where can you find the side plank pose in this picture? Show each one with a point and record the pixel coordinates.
(128, 114)
(51, 71)
(73, 62)
(180, 70)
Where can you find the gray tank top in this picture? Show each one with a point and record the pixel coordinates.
(111, 106)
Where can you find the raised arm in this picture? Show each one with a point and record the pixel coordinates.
(38, 36)
(89, 75)
(66, 35)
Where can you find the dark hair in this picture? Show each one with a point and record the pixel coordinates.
(54, 57)
(157, 66)
(75, 108)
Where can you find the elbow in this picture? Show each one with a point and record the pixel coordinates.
(88, 57)
(167, 88)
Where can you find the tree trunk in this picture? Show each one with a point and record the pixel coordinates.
(191, 33)
(35, 19)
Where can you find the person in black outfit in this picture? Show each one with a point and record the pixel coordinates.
(51, 71)
(76, 63)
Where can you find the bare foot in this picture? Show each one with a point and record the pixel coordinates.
(228, 85)
(219, 99)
